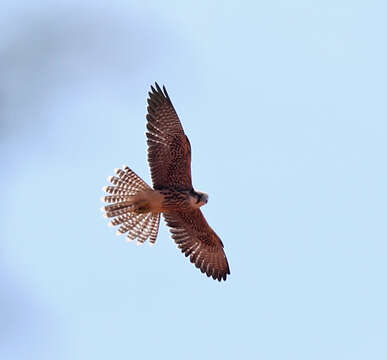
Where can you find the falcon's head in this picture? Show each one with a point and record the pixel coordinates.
(199, 198)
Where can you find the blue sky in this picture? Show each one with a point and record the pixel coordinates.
(284, 103)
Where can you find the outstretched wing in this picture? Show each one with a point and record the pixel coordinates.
(169, 150)
(196, 239)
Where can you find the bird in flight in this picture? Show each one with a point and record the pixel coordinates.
(136, 207)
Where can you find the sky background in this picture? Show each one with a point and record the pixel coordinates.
(284, 103)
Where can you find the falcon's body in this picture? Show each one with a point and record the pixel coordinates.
(167, 200)
(137, 207)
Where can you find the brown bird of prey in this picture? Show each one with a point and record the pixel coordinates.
(136, 207)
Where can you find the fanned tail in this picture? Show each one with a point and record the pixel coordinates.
(123, 211)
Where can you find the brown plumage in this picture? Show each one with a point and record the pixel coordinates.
(136, 207)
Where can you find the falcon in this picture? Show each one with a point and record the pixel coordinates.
(136, 207)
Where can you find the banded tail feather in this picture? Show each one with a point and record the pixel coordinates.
(128, 209)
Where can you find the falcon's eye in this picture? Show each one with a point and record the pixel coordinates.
(198, 199)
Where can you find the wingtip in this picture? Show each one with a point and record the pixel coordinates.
(104, 188)
(109, 179)
(158, 88)
(166, 93)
